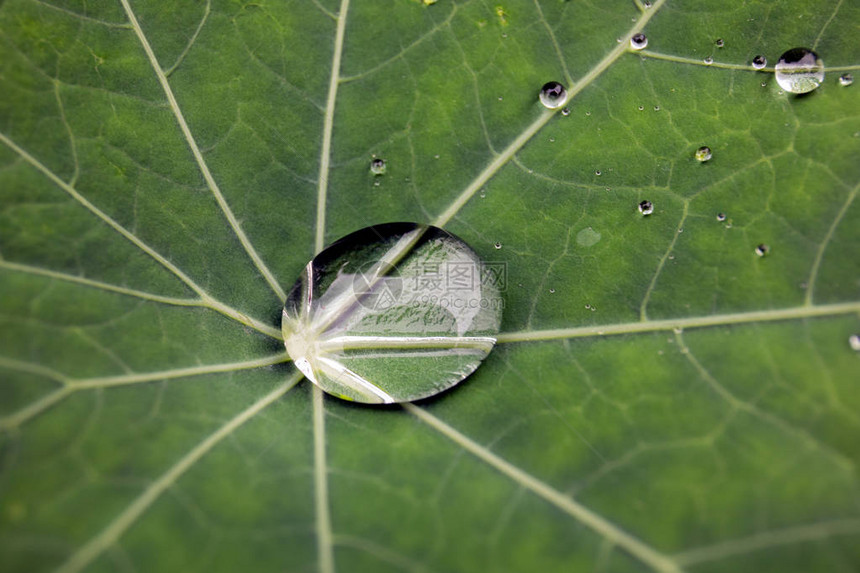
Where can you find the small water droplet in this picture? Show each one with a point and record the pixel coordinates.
(597, 172)
(360, 323)
(646, 207)
(588, 113)
(377, 166)
(501, 98)
(681, 230)
(498, 245)
(708, 61)
(719, 42)
(762, 250)
(854, 342)
(638, 41)
(759, 62)
(656, 108)
(552, 140)
(483, 193)
(553, 95)
(764, 84)
(721, 217)
(552, 291)
(646, 3)
(677, 330)
(641, 108)
(565, 112)
(587, 307)
(703, 154)
(376, 183)
(436, 156)
(799, 71)
(846, 80)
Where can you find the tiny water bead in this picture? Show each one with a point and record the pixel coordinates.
(646, 208)
(708, 61)
(565, 112)
(638, 41)
(719, 42)
(762, 250)
(854, 342)
(703, 154)
(393, 313)
(721, 217)
(553, 95)
(846, 80)
(377, 166)
(759, 62)
(498, 245)
(799, 71)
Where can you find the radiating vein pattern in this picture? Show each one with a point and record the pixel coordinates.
(673, 391)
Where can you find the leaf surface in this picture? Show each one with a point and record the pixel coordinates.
(661, 398)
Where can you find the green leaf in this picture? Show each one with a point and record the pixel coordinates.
(659, 400)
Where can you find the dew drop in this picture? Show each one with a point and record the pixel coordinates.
(703, 154)
(483, 193)
(565, 112)
(762, 250)
(393, 313)
(376, 183)
(646, 207)
(846, 80)
(656, 108)
(799, 71)
(498, 245)
(641, 108)
(854, 342)
(721, 217)
(638, 41)
(719, 42)
(647, 4)
(377, 166)
(597, 173)
(552, 291)
(759, 62)
(708, 61)
(553, 95)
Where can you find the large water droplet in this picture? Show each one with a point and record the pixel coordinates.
(703, 154)
(646, 207)
(638, 41)
(393, 313)
(759, 62)
(377, 166)
(799, 71)
(553, 95)
(846, 80)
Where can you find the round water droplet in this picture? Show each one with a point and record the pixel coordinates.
(646, 3)
(597, 172)
(565, 112)
(498, 245)
(656, 108)
(854, 342)
(759, 62)
(708, 61)
(552, 291)
(703, 154)
(846, 80)
(553, 95)
(377, 166)
(638, 41)
(719, 42)
(721, 217)
(762, 250)
(641, 107)
(799, 71)
(646, 207)
(393, 313)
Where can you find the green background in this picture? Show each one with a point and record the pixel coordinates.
(150, 421)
